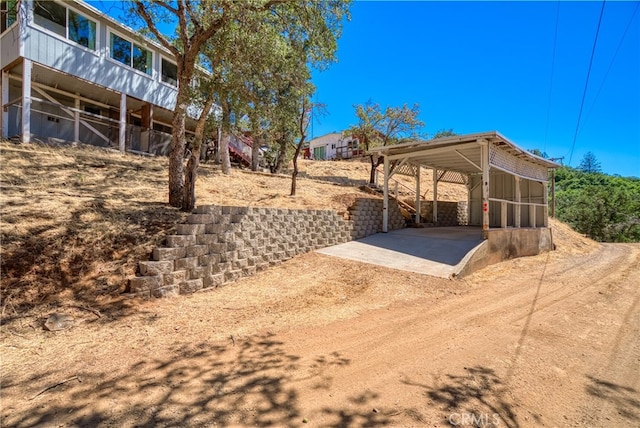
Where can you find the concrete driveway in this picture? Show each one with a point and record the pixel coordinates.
(437, 251)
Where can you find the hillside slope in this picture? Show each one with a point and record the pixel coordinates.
(548, 340)
(76, 220)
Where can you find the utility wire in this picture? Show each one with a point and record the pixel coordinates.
(612, 61)
(553, 66)
(586, 83)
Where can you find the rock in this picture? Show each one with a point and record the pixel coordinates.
(57, 322)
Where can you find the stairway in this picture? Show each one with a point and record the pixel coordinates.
(240, 148)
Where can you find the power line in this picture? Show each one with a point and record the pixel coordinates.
(586, 83)
(612, 61)
(553, 65)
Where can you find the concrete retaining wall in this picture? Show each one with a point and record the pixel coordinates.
(220, 244)
(504, 244)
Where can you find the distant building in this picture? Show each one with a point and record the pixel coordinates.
(334, 146)
(72, 73)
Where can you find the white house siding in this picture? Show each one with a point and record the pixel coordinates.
(57, 53)
(9, 46)
(331, 143)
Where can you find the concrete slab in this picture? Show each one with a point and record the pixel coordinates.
(436, 251)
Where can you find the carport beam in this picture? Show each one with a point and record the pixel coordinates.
(385, 200)
(418, 208)
(435, 196)
(518, 207)
(484, 155)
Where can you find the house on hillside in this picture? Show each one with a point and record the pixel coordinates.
(334, 146)
(72, 73)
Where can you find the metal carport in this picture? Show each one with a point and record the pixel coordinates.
(507, 185)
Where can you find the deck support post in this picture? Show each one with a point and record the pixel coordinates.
(4, 119)
(122, 135)
(26, 100)
(76, 120)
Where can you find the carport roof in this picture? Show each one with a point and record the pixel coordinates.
(458, 153)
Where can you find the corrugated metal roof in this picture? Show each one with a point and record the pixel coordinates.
(458, 153)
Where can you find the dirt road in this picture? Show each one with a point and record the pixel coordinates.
(551, 340)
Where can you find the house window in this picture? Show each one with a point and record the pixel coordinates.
(141, 59)
(169, 72)
(65, 22)
(82, 30)
(121, 49)
(51, 16)
(128, 53)
(8, 14)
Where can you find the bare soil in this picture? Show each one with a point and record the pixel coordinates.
(550, 340)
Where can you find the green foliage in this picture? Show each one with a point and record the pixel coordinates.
(589, 164)
(604, 207)
(377, 127)
(539, 153)
(259, 54)
(444, 133)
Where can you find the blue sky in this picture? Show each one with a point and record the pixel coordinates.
(481, 66)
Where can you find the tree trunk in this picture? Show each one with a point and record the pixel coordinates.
(224, 154)
(176, 156)
(189, 197)
(282, 156)
(255, 155)
(255, 148)
(372, 175)
(225, 159)
(191, 174)
(294, 175)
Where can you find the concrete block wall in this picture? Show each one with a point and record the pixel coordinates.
(220, 244)
(463, 213)
(366, 215)
(449, 213)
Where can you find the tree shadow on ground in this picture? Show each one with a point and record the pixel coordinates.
(476, 397)
(351, 416)
(624, 399)
(249, 383)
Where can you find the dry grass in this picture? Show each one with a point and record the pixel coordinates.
(76, 220)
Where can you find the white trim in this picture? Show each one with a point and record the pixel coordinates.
(429, 151)
(160, 71)
(122, 134)
(26, 100)
(32, 23)
(108, 56)
(70, 112)
(61, 92)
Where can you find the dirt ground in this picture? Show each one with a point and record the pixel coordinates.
(550, 340)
